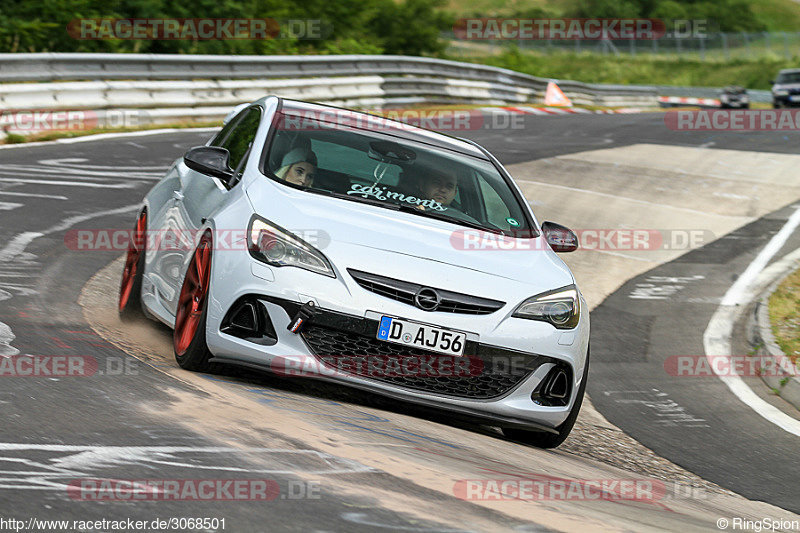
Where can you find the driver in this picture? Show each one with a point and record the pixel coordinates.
(441, 186)
(298, 167)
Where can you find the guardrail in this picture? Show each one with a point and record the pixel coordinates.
(710, 92)
(182, 82)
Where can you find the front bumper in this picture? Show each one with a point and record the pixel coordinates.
(786, 100)
(504, 394)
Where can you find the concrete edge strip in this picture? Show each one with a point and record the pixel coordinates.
(717, 337)
(761, 329)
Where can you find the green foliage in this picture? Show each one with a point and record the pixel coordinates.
(14, 138)
(722, 15)
(411, 27)
(353, 26)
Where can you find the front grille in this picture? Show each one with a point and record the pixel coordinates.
(404, 291)
(492, 371)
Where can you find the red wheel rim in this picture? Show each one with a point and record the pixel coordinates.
(193, 296)
(135, 250)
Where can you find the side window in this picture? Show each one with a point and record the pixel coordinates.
(238, 138)
(496, 211)
(223, 133)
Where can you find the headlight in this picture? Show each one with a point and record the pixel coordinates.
(724, 97)
(277, 247)
(780, 92)
(560, 307)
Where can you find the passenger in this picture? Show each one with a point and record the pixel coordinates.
(298, 167)
(441, 186)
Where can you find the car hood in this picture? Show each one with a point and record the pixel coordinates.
(785, 86)
(387, 242)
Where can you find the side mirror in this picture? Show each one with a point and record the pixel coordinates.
(560, 238)
(772, 82)
(209, 160)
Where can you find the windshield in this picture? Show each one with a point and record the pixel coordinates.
(361, 165)
(789, 77)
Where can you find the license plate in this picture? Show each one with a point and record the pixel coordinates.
(795, 98)
(421, 336)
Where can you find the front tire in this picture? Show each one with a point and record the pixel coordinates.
(129, 304)
(189, 335)
(541, 439)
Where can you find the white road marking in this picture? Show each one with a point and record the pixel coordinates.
(661, 287)
(69, 462)
(16, 248)
(671, 412)
(34, 195)
(48, 171)
(78, 163)
(17, 245)
(738, 293)
(105, 136)
(71, 183)
(6, 336)
(8, 206)
(71, 221)
(717, 336)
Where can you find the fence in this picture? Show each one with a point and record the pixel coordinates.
(712, 46)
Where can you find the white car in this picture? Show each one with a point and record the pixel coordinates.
(315, 241)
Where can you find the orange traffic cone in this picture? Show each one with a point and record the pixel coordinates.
(554, 96)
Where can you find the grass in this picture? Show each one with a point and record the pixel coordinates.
(498, 8)
(778, 15)
(784, 316)
(642, 69)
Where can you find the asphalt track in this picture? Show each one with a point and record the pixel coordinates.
(50, 189)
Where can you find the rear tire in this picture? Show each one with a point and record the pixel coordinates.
(542, 439)
(189, 335)
(129, 304)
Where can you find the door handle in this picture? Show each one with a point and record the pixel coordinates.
(177, 196)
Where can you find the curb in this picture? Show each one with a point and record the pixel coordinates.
(685, 100)
(548, 110)
(788, 384)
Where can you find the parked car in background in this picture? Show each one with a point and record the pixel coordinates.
(786, 88)
(734, 96)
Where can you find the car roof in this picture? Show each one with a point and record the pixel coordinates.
(788, 70)
(390, 127)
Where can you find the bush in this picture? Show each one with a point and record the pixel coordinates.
(356, 26)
